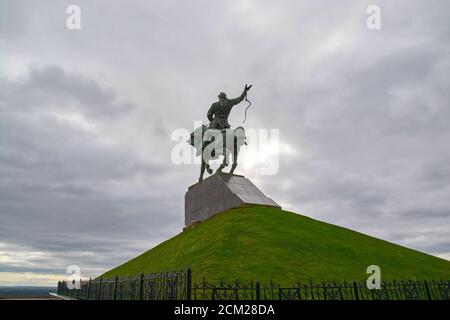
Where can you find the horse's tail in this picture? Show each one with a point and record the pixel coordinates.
(239, 133)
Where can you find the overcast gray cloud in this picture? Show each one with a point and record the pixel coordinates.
(87, 116)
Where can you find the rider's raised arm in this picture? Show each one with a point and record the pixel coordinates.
(239, 99)
(210, 114)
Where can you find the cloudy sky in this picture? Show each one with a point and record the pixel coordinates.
(87, 117)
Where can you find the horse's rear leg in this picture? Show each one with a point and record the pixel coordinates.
(235, 156)
(234, 165)
(221, 167)
(223, 164)
(202, 171)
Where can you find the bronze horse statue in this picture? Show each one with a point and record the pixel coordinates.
(212, 143)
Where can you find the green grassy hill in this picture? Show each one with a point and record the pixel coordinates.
(265, 243)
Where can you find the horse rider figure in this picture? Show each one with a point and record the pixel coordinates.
(220, 110)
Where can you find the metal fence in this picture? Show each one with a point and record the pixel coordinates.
(175, 285)
(178, 285)
(396, 290)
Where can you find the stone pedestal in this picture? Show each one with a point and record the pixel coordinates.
(220, 192)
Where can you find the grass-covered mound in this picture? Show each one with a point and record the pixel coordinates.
(265, 243)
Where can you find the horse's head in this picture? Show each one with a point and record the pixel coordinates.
(196, 137)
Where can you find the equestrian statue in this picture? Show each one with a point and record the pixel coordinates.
(217, 139)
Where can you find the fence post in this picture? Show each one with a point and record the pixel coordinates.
(115, 288)
(141, 287)
(89, 289)
(100, 289)
(355, 289)
(189, 284)
(258, 290)
(427, 290)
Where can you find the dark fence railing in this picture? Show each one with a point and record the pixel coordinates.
(396, 290)
(174, 285)
(178, 285)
